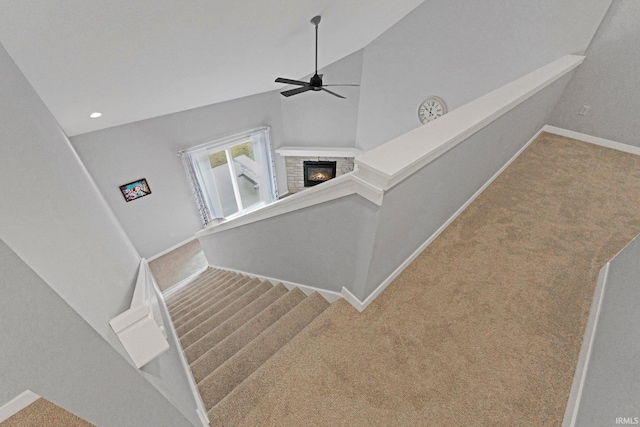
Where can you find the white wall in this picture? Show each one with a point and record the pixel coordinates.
(460, 50)
(319, 119)
(48, 348)
(53, 216)
(148, 149)
(607, 81)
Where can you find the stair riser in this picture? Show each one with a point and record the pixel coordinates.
(235, 370)
(200, 304)
(226, 349)
(227, 297)
(194, 286)
(205, 286)
(227, 312)
(204, 344)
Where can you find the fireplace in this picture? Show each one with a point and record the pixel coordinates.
(317, 172)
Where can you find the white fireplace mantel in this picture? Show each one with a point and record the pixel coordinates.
(290, 151)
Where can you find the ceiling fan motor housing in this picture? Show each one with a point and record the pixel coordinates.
(316, 82)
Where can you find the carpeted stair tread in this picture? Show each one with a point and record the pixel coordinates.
(229, 326)
(216, 296)
(257, 289)
(227, 296)
(208, 285)
(225, 349)
(235, 370)
(200, 284)
(200, 304)
(232, 410)
(194, 285)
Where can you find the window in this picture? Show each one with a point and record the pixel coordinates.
(232, 175)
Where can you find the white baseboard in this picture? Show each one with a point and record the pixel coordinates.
(592, 139)
(573, 403)
(17, 404)
(361, 305)
(330, 296)
(172, 248)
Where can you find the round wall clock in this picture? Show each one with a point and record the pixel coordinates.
(431, 108)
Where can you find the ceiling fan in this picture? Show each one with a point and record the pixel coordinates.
(315, 83)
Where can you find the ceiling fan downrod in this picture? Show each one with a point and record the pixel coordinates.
(316, 21)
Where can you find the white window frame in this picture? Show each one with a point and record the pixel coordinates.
(224, 144)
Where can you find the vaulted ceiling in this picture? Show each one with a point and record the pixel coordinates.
(144, 58)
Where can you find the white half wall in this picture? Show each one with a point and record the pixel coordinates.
(460, 50)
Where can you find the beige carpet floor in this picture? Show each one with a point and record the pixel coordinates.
(43, 413)
(483, 328)
(177, 265)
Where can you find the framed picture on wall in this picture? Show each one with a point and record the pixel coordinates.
(136, 189)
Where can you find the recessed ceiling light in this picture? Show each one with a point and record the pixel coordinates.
(95, 115)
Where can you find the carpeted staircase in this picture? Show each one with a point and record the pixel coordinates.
(229, 325)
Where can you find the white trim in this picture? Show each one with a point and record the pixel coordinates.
(17, 404)
(289, 151)
(201, 411)
(341, 186)
(573, 404)
(592, 139)
(390, 163)
(330, 296)
(361, 305)
(172, 248)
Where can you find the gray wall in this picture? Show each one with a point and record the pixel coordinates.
(607, 81)
(460, 50)
(327, 246)
(55, 219)
(321, 119)
(414, 209)
(611, 386)
(148, 149)
(49, 349)
(353, 243)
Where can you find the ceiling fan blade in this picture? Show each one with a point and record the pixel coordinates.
(333, 93)
(296, 91)
(339, 85)
(291, 82)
